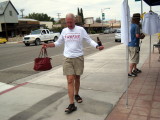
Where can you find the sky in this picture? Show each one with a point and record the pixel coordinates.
(91, 8)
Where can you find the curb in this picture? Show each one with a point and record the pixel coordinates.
(14, 42)
(12, 88)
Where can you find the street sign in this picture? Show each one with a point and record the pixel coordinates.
(103, 16)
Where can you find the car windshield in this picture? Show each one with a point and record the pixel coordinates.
(35, 32)
(118, 31)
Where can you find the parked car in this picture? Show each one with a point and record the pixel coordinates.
(40, 35)
(107, 31)
(118, 35)
(3, 40)
(113, 30)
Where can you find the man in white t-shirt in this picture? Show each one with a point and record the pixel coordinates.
(73, 65)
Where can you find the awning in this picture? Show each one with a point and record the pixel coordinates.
(152, 2)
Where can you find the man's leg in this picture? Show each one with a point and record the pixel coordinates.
(132, 65)
(70, 81)
(136, 70)
(135, 66)
(77, 84)
(131, 68)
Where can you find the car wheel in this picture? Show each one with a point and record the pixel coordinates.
(37, 42)
(27, 44)
(115, 40)
(45, 41)
(55, 39)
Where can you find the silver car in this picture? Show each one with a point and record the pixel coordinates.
(118, 35)
(107, 31)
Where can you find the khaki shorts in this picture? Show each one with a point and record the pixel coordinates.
(73, 66)
(134, 54)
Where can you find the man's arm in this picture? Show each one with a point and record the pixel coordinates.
(57, 43)
(100, 47)
(48, 45)
(138, 34)
(141, 36)
(91, 42)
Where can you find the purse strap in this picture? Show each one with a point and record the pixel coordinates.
(43, 53)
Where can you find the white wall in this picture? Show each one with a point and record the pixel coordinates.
(13, 18)
(47, 23)
(6, 17)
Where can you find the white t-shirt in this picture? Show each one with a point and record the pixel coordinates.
(73, 41)
(150, 23)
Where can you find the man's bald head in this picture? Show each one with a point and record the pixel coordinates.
(70, 15)
(70, 20)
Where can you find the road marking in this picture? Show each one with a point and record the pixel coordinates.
(24, 64)
(15, 66)
(12, 88)
(4, 86)
(51, 57)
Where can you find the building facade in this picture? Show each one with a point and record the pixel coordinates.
(8, 19)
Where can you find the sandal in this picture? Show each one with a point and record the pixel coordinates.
(71, 108)
(78, 99)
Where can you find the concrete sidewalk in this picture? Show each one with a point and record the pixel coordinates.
(44, 95)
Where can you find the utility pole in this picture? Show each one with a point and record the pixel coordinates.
(58, 14)
(103, 15)
(5, 24)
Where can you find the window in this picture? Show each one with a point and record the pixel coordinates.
(35, 32)
(10, 13)
(47, 31)
(43, 32)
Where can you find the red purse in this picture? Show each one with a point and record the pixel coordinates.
(43, 62)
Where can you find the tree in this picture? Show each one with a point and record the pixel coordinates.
(78, 11)
(82, 16)
(98, 20)
(40, 17)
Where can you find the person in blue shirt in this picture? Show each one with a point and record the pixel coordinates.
(133, 46)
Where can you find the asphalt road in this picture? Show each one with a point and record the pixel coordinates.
(17, 60)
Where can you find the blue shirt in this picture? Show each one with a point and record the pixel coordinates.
(134, 30)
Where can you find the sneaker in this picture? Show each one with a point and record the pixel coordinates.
(137, 71)
(132, 75)
(134, 72)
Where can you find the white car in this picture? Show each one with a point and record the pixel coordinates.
(40, 35)
(118, 35)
